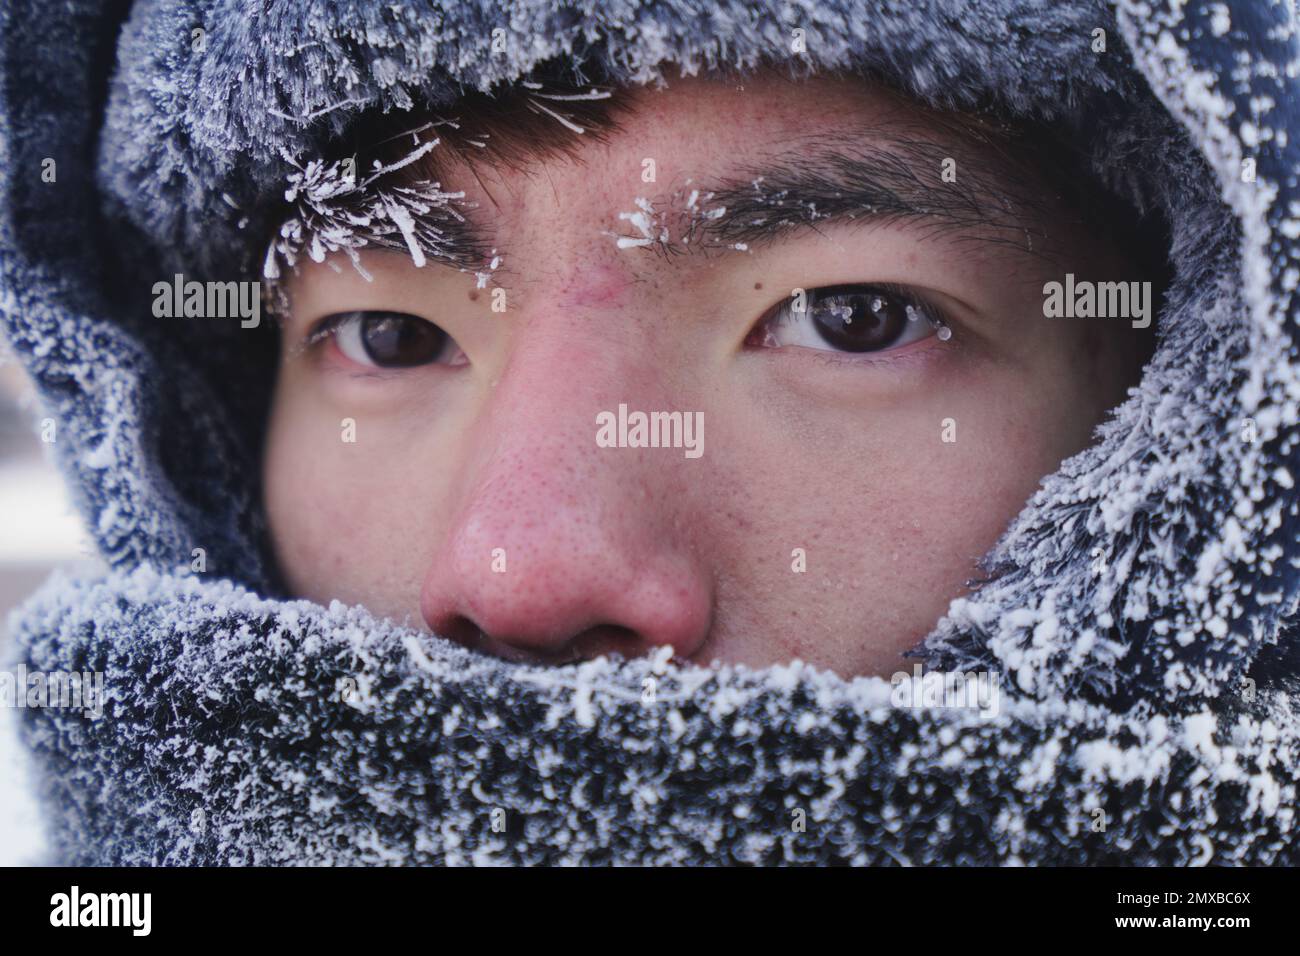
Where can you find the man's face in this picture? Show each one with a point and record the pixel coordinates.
(858, 457)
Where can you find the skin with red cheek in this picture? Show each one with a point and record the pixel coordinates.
(476, 501)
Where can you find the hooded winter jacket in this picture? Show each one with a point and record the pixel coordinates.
(1139, 612)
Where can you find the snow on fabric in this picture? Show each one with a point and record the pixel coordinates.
(1140, 608)
(268, 732)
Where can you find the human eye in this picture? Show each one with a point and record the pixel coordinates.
(875, 317)
(389, 340)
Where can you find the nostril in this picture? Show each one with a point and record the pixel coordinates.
(466, 632)
(462, 631)
(586, 644)
(607, 639)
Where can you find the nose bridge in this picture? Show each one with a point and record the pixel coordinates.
(578, 349)
(540, 480)
(572, 354)
(539, 424)
(554, 535)
(558, 374)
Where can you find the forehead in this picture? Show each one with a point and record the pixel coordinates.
(693, 132)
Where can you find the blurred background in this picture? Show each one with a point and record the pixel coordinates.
(39, 531)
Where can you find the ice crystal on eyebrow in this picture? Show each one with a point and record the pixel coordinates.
(657, 222)
(481, 278)
(335, 210)
(690, 218)
(645, 222)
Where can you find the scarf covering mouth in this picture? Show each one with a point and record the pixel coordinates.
(1139, 611)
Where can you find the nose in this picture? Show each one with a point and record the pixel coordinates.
(562, 550)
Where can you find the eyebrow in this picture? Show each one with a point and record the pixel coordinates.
(869, 177)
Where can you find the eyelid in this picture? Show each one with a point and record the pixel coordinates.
(320, 332)
(928, 310)
(329, 325)
(925, 305)
(349, 328)
(325, 327)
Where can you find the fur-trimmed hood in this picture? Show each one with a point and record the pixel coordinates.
(1139, 609)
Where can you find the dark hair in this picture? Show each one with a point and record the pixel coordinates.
(515, 127)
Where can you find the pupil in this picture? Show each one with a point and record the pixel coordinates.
(859, 321)
(400, 341)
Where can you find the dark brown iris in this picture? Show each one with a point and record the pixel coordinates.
(400, 341)
(858, 318)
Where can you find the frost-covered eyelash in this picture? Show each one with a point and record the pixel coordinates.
(331, 325)
(327, 328)
(922, 306)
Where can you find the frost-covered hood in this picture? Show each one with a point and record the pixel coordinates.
(1139, 611)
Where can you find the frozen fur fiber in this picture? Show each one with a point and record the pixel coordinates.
(1139, 611)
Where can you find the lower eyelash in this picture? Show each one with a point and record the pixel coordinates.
(900, 359)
